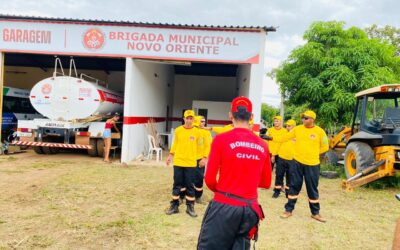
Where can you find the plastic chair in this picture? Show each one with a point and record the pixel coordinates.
(153, 148)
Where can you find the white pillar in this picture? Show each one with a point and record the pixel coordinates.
(127, 110)
(256, 83)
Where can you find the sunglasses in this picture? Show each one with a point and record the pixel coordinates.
(202, 121)
(305, 118)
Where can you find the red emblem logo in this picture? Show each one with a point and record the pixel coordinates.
(93, 39)
(191, 138)
(46, 89)
(312, 136)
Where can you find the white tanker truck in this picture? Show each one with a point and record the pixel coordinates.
(76, 110)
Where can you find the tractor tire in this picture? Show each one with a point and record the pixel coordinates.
(38, 150)
(357, 156)
(100, 147)
(93, 151)
(330, 158)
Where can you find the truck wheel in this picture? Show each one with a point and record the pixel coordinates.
(93, 151)
(330, 158)
(38, 150)
(357, 156)
(100, 147)
(46, 150)
(54, 150)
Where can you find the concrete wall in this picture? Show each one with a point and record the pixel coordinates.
(243, 80)
(202, 88)
(216, 110)
(147, 94)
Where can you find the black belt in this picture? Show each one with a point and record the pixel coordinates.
(235, 197)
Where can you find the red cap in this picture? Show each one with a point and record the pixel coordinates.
(241, 101)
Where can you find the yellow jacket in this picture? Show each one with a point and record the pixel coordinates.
(310, 143)
(274, 145)
(184, 147)
(203, 150)
(286, 151)
(219, 130)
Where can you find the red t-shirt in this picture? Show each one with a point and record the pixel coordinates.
(242, 161)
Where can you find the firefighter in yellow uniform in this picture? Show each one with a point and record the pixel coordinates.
(184, 152)
(202, 153)
(229, 127)
(219, 130)
(284, 162)
(311, 141)
(276, 132)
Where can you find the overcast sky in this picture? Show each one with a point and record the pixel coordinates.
(291, 17)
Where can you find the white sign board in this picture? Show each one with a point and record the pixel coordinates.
(130, 41)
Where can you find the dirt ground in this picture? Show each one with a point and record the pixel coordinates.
(72, 201)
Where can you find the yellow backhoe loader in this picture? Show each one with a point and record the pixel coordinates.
(371, 146)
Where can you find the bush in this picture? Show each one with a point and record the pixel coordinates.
(386, 182)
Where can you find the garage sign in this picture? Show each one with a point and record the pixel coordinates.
(130, 41)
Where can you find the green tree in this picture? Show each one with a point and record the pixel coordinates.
(267, 113)
(388, 34)
(294, 111)
(333, 65)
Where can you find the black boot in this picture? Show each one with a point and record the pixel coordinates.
(190, 209)
(276, 194)
(173, 209)
(200, 200)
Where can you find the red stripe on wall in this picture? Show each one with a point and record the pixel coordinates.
(218, 122)
(128, 120)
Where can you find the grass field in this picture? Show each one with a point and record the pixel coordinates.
(69, 201)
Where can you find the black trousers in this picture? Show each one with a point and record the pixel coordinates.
(310, 174)
(273, 164)
(199, 180)
(183, 178)
(226, 227)
(282, 170)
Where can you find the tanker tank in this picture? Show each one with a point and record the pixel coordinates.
(66, 98)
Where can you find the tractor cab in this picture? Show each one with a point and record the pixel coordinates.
(373, 147)
(377, 116)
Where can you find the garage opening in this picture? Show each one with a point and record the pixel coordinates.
(207, 88)
(167, 89)
(24, 72)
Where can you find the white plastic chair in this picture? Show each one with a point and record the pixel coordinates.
(153, 148)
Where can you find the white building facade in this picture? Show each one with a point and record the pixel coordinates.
(168, 68)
